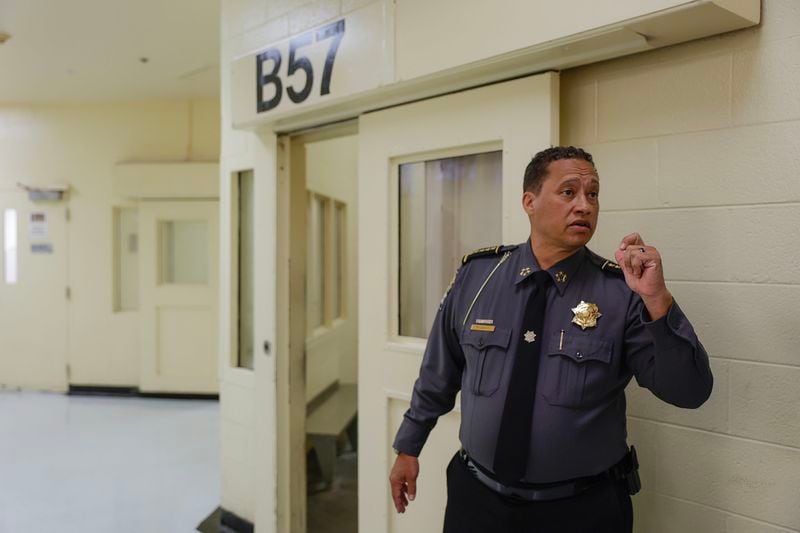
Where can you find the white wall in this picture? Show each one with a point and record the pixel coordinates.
(332, 170)
(697, 149)
(79, 145)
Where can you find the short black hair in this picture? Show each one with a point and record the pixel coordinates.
(537, 169)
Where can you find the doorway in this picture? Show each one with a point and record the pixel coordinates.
(318, 443)
(34, 294)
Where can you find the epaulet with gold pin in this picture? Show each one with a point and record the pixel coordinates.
(604, 264)
(486, 252)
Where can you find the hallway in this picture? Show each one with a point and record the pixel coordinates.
(99, 464)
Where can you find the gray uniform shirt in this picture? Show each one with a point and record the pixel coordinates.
(579, 409)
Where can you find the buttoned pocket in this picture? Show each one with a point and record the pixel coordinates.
(486, 354)
(576, 369)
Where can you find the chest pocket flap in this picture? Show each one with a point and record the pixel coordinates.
(581, 349)
(483, 339)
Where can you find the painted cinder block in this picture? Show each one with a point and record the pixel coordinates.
(713, 244)
(277, 8)
(261, 36)
(712, 415)
(238, 405)
(578, 104)
(311, 14)
(239, 16)
(687, 239)
(746, 477)
(745, 165)
(740, 524)
(671, 515)
(352, 5)
(765, 81)
(743, 320)
(765, 401)
(628, 173)
(665, 98)
(643, 434)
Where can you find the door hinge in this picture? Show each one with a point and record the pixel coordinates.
(68, 293)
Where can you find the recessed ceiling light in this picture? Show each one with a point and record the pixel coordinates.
(144, 59)
(4, 37)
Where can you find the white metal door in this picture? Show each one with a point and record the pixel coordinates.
(179, 280)
(33, 292)
(519, 118)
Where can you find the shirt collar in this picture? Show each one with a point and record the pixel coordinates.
(561, 273)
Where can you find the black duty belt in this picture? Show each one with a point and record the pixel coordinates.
(626, 469)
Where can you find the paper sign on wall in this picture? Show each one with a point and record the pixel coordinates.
(37, 226)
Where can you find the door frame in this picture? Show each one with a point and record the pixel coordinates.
(292, 205)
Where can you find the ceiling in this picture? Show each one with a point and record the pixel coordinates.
(92, 50)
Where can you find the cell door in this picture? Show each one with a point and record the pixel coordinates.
(179, 271)
(33, 292)
(437, 179)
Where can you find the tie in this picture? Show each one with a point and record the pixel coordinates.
(513, 439)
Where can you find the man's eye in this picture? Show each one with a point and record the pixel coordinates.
(594, 194)
(567, 192)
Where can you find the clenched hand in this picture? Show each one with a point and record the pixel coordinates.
(644, 274)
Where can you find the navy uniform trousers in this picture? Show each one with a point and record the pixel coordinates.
(605, 507)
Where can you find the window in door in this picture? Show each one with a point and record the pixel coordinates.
(246, 264)
(183, 252)
(448, 207)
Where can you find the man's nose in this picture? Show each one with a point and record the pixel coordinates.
(583, 204)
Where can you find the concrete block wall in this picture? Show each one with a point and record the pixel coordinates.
(697, 149)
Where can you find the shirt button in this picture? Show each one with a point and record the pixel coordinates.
(579, 354)
(480, 342)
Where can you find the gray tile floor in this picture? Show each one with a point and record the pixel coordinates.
(101, 464)
(335, 510)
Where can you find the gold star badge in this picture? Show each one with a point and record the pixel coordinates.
(586, 315)
(530, 336)
(525, 271)
(561, 276)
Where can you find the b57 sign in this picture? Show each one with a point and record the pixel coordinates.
(268, 67)
(334, 60)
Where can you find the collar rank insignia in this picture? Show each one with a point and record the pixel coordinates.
(586, 315)
(561, 276)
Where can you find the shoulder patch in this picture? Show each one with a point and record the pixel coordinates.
(486, 252)
(604, 264)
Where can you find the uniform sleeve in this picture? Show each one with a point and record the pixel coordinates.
(666, 356)
(439, 377)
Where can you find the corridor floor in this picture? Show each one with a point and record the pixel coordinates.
(102, 464)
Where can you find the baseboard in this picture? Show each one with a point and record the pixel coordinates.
(222, 521)
(103, 390)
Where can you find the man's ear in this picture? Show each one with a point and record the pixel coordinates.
(527, 202)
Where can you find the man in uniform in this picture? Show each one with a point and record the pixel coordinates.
(541, 339)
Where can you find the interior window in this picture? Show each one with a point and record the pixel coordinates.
(448, 207)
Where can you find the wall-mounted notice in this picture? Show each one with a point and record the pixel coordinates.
(37, 226)
(42, 248)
